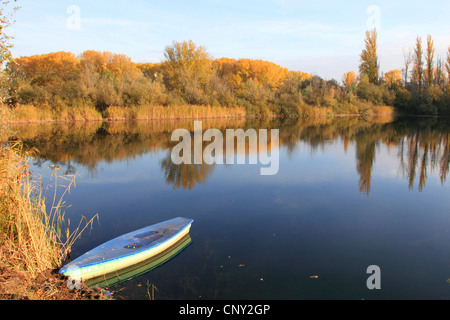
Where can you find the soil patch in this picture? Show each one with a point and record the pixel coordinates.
(49, 285)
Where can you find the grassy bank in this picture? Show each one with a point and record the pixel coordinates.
(31, 113)
(33, 239)
(171, 112)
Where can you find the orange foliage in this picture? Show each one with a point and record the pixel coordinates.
(119, 64)
(150, 70)
(49, 67)
(57, 66)
(349, 79)
(264, 73)
(93, 60)
(393, 77)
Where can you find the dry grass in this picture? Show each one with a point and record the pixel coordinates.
(31, 113)
(314, 111)
(382, 110)
(83, 113)
(33, 239)
(157, 112)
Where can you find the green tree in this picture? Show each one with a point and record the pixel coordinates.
(369, 58)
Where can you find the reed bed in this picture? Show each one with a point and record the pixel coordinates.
(33, 238)
(30, 113)
(158, 112)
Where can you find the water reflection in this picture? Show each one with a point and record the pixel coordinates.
(185, 176)
(112, 279)
(422, 144)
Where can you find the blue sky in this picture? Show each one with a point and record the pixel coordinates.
(320, 37)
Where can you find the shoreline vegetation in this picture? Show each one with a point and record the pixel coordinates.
(190, 84)
(34, 238)
(33, 114)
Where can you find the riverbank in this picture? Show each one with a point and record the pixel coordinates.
(33, 114)
(48, 285)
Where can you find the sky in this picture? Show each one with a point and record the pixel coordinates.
(323, 37)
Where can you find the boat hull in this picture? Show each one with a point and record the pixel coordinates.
(128, 250)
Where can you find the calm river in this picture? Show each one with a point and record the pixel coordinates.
(349, 194)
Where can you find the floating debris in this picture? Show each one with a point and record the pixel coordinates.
(314, 277)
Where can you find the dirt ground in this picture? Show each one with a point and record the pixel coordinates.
(49, 285)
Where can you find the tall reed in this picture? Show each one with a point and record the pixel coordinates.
(33, 238)
(158, 112)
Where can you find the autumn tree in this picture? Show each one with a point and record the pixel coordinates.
(447, 65)
(47, 69)
(393, 77)
(187, 70)
(429, 59)
(43, 78)
(369, 58)
(6, 15)
(439, 74)
(407, 59)
(349, 79)
(150, 70)
(122, 66)
(418, 65)
(264, 73)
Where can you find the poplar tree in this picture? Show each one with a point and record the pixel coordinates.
(369, 58)
(407, 57)
(417, 72)
(447, 65)
(429, 70)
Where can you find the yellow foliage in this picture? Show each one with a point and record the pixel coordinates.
(349, 79)
(264, 73)
(150, 70)
(51, 66)
(393, 77)
(119, 64)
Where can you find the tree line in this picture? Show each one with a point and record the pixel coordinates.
(188, 75)
(422, 86)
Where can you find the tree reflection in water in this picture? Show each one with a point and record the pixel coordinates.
(423, 144)
(185, 176)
